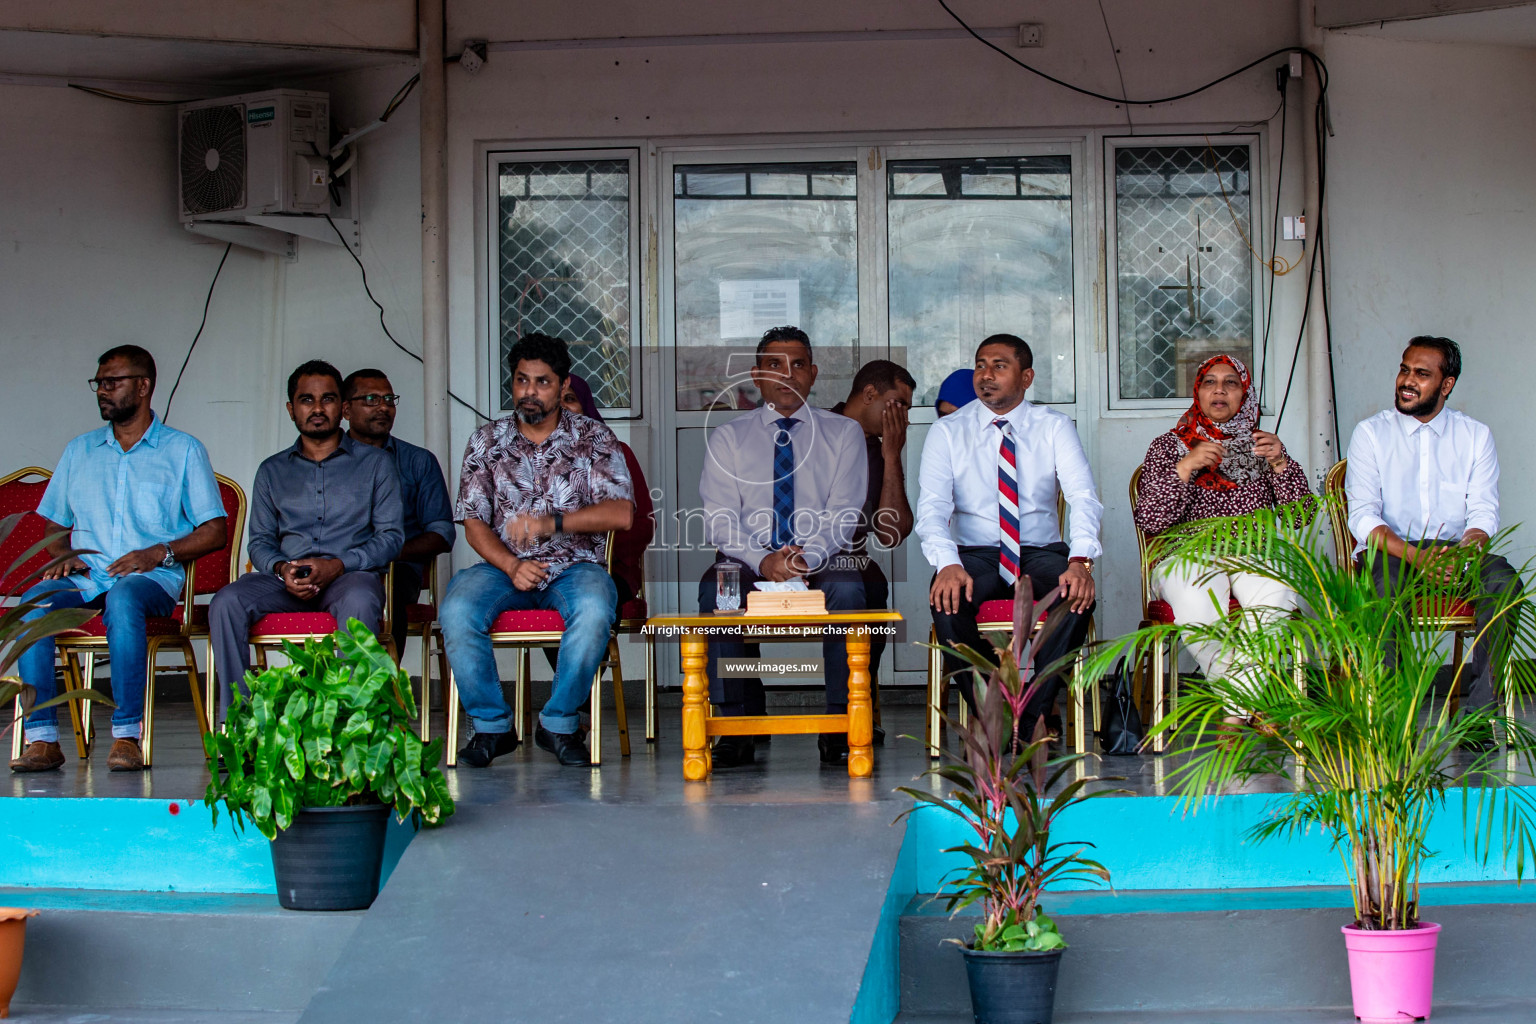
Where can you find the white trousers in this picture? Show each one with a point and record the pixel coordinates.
(1200, 599)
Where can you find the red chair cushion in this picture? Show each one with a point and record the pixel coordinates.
(1452, 610)
(294, 624)
(170, 625)
(1160, 612)
(536, 620)
(634, 608)
(999, 611)
(420, 614)
(199, 614)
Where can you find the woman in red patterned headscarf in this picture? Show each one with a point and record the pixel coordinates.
(1216, 462)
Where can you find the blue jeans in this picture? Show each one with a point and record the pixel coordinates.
(131, 600)
(586, 599)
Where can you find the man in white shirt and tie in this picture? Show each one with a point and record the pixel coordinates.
(783, 487)
(1424, 479)
(991, 472)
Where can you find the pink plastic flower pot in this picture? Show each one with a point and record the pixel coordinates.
(1392, 973)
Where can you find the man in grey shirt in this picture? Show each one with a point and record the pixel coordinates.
(326, 519)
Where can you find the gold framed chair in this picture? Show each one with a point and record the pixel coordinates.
(1459, 620)
(20, 494)
(1156, 611)
(523, 631)
(187, 621)
(997, 617)
(421, 622)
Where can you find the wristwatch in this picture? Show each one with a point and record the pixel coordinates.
(1086, 563)
(169, 561)
(559, 523)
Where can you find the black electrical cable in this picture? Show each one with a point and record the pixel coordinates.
(399, 97)
(1323, 74)
(1274, 247)
(364, 271)
(120, 97)
(1301, 333)
(165, 417)
(1119, 72)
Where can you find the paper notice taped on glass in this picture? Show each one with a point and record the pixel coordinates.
(749, 308)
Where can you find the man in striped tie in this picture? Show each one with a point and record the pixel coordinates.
(991, 471)
(783, 487)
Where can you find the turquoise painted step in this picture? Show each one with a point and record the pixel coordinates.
(140, 845)
(1155, 843)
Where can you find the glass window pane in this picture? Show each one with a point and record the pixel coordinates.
(746, 262)
(1184, 271)
(563, 237)
(982, 246)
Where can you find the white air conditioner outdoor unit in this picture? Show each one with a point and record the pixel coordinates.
(263, 152)
(255, 169)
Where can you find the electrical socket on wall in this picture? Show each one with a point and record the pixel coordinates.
(1294, 229)
(1031, 34)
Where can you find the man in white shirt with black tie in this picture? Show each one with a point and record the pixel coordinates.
(991, 472)
(783, 488)
(1424, 480)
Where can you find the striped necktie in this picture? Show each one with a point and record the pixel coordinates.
(783, 483)
(1008, 504)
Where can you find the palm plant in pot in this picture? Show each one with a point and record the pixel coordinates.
(1370, 757)
(20, 627)
(998, 786)
(316, 757)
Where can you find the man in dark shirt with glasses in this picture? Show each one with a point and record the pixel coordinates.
(325, 523)
(369, 408)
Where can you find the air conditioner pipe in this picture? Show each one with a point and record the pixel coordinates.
(434, 229)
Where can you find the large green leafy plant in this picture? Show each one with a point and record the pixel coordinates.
(1370, 757)
(329, 729)
(17, 633)
(998, 787)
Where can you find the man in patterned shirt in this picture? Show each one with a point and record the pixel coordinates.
(538, 492)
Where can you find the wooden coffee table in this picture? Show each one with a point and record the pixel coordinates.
(699, 725)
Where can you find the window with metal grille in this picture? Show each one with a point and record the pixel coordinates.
(565, 253)
(1184, 269)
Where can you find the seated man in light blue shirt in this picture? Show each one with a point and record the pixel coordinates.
(139, 500)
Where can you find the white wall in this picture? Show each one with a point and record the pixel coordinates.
(93, 257)
(1434, 214)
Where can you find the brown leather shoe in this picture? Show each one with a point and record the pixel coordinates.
(39, 757)
(126, 755)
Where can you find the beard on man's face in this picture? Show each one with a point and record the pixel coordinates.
(1424, 404)
(531, 411)
(119, 410)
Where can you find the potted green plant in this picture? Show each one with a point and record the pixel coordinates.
(1000, 786)
(316, 757)
(17, 633)
(1369, 757)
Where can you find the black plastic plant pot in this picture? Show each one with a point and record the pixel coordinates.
(329, 858)
(1012, 988)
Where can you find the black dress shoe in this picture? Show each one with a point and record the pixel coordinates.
(566, 746)
(879, 739)
(732, 752)
(833, 747)
(485, 747)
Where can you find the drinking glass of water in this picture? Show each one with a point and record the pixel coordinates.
(727, 587)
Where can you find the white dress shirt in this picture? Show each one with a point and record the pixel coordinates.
(1426, 481)
(959, 482)
(831, 474)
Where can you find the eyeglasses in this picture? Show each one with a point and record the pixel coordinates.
(373, 400)
(112, 383)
